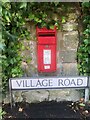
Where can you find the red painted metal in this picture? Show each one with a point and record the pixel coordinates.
(46, 49)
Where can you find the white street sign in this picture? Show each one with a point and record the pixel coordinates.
(48, 83)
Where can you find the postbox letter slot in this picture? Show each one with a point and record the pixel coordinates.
(46, 34)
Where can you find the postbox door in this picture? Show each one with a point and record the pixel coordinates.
(47, 58)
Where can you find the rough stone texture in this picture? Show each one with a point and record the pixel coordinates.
(60, 41)
(70, 26)
(32, 28)
(0, 97)
(68, 56)
(31, 96)
(0, 91)
(71, 40)
(74, 95)
(70, 69)
(67, 43)
(33, 62)
(36, 96)
(62, 95)
(29, 64)
(59, 47)
(6, 99)
(72, 17)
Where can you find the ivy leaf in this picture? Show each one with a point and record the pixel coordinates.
(1, 46)
(11, 36)
(89, 50)
(56, 3)
(31, 16)
(23, 5)
(63, 19)
(51, 26)
(39, 21)
(36, 19)
(43, 24)
(4, 1)
(86, 4)
(86, 41)
(7, 18)
(87, 31)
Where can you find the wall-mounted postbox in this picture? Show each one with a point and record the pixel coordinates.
(46, 49)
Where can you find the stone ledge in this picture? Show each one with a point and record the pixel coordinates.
(70, 26)
(35, 96)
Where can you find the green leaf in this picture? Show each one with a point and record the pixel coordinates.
(86, 41)
(31, 16)
(23, 5)
(86, 4)
(4, 1)
(87, 31)
(23, 47)
(51, 26)
(39, 21)
(63, 19)
(2, 46)
(7, 18)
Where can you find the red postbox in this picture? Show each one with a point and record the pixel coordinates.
(46, 49)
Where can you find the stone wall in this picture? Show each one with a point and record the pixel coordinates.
(67, 44)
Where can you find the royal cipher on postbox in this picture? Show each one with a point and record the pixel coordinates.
(46, 49)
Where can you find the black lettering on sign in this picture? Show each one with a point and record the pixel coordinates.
(26, 83)
(19, 82)
(79, 81)
(38, 83)
(44, 83)
(66, 82)
(23, 83)
(50, 83)
(73, 82)
(60, 82)
(31, 83)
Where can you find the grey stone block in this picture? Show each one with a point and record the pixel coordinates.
(69, 69)
(72, 17)
(58, 95)
(70, 26)
(36, 96)
(68, 56)
(71, 40)
(31, 96)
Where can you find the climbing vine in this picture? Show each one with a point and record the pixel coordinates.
(15, 15)
(84, 48)
(13, 31)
